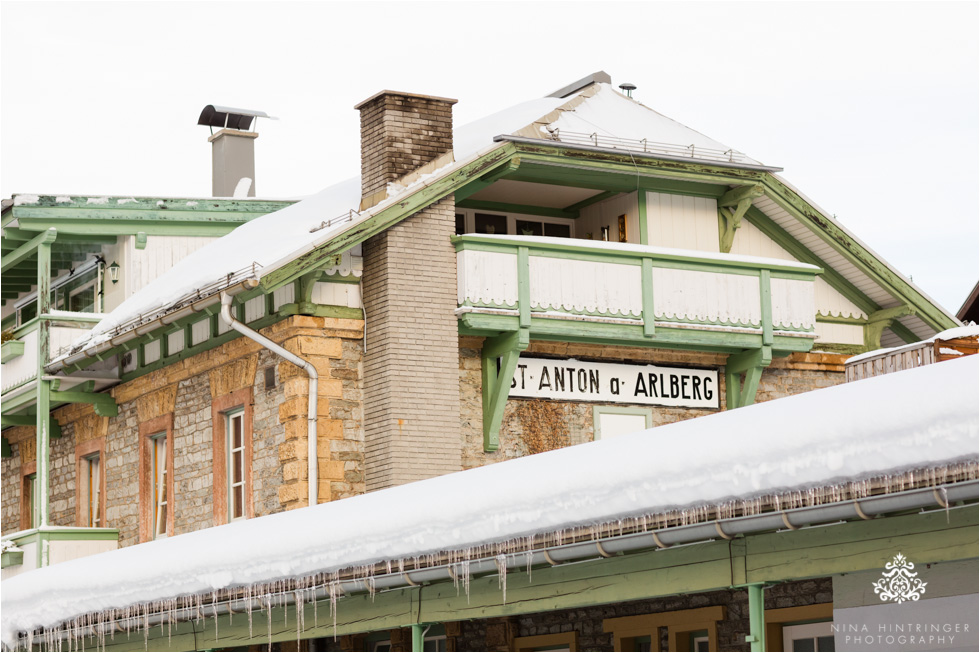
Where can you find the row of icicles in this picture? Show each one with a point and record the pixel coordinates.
(298, 592)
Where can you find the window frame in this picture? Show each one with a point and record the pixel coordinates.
(547, 642)
(28, 494)
(221, 408)
(84, 452)
(680, 625)
(150, 431)
(469, 220)
(617, 410)
(777, 618)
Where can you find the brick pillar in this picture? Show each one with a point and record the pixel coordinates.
(411, 376)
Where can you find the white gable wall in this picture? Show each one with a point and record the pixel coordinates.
(606, 214)
(683, 222)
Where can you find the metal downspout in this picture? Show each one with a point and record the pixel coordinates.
(311, 414)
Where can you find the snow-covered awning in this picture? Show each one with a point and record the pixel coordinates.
(807, 449)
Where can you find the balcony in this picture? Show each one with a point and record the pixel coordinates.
(948, 345)
(23, 551)
(20, 362)
(619, 293)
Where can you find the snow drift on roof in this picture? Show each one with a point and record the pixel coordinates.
(855, 431)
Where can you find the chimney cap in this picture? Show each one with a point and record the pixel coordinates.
(217, 116)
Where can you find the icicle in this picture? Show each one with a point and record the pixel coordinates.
(298, 602)
(248, 608)
(268, 612)
(501, 561)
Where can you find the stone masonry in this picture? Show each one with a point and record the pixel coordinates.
(186, 390)
(786, 376)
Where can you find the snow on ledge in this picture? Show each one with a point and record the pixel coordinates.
(971, 331)
(885, 425)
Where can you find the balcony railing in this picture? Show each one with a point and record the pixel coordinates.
(959, 342)
(64, 328)
(647, 288)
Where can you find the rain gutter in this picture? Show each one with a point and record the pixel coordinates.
(938, 497)
(311, 415)
(636, 155)
(143, 329)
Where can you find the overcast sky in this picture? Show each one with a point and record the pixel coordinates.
(871, 109)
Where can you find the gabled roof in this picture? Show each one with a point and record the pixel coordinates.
(922, 420)
(596, 118)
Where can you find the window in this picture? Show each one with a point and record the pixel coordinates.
(90, 484)
(156, 478)
(469, 222)
(809, 637)
(694, 630)
(610, 421)
(78, 290)
(231, 416)
(29, 491)
(805, 628)
(236, 463)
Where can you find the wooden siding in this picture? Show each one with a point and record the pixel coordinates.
(683, 222)
(606, 214)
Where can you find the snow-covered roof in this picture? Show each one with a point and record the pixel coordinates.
(270, 241)
(918, 419)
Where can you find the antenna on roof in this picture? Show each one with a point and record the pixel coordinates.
(628, 88)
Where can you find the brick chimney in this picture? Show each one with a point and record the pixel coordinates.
(401, 132)
(411, 368)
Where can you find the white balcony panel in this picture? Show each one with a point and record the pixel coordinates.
(488, 278)
(792, 304)
(175, 342)
(337, 294)
(592, 287)
(283, 296)
(60, 338)
(200, 331)
(24, 367)
(255, 308)
(712, 297)
(842, 334)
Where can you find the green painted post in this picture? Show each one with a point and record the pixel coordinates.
(524, 287)
(417, 639)
(765, 298)
(757, 620)
(42, 424)
(641, 204)
(646, 289)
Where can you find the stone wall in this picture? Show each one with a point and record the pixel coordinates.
(786, 376)
(186, 390)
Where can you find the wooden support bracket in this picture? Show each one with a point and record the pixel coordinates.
(499, 362)
(742, 375)
(881, 320)
(731, 209)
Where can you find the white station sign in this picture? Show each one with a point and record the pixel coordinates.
(573, 380)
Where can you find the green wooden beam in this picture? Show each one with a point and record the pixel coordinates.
(487, 179)
(30, 420)
(172, 206)
(28, 249)
(854, 252)
(589, 201)
(103, 403)
(5, 451)
(123, 226)
(504, 207)
(742, 375)
(16, 234)
(497, 380)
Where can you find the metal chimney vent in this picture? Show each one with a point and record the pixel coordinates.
(628, 88)
(230, 118)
